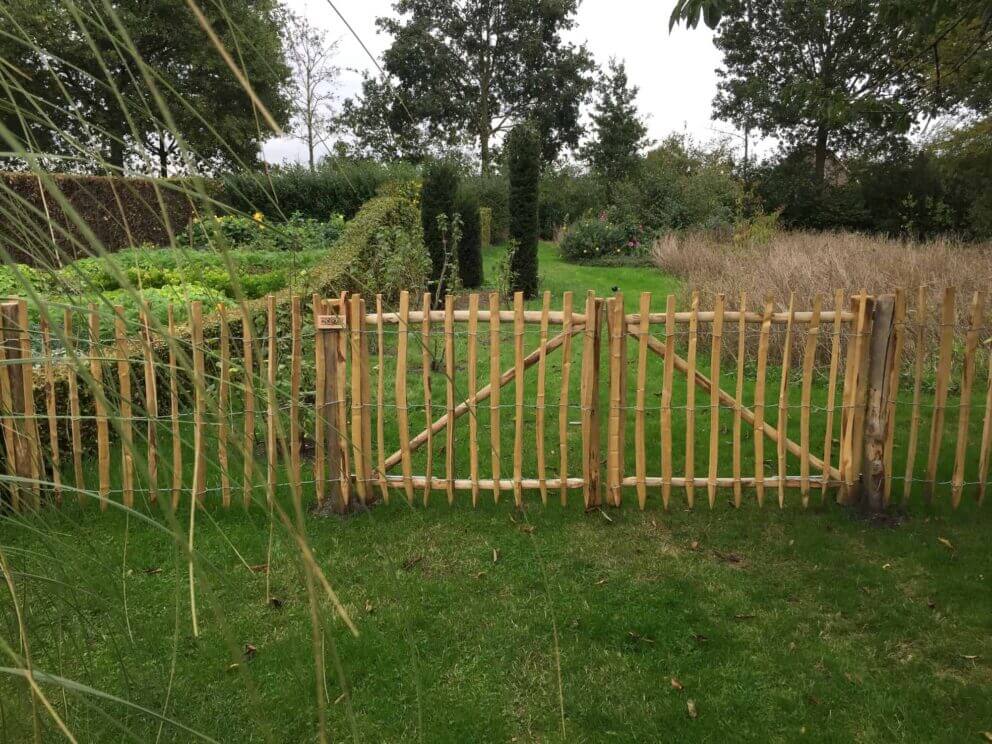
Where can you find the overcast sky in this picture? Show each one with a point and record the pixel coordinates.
(676, 72)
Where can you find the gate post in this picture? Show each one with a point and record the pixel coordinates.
(589, 395)
(330, 327)
(875, 471)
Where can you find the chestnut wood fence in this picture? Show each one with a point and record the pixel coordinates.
(334, 401)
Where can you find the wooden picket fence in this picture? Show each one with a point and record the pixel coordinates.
(341, 428)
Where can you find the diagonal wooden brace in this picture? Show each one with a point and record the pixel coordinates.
(484, 393)
(730, 401)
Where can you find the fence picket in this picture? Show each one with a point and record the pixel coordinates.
(640, 455)
(828, 437)
(914, 421)
(357, 399)
(402, 409)
(473, 385)
(759, 402)
(320, 420)
(588, 395)
(739, 397)
(518, 403)
(177, 447)
(940, 394)
(494, 365)
(223, 406)
(540, 400)
(666, 402)
(248, 441)
(690, 403)
(296, 354)
(426, 361)
(100, 408)
(563, 410)
(986, 446)
(31, 422)
(151, 405)
(809, 357)
(964, 409)
(75, 412)
(899, 340)
(715, 353)
(126, 419)
(50, 409)
(271, 404)
(380, 423)
(449, 396)
(783, 401)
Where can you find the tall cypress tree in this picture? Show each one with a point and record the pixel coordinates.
(437, 196)
(619, 134)
(470, 246)
(523, 147)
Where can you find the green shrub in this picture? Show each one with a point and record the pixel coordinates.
(12, 279)
(437, 197)
(523, 147)
(492, 192)
(470, 245)
(298, 233)
(567, 195)
(337, 186)
(596, 240)
(382, 250)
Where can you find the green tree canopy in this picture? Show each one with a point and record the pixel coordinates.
(466, 72)
(619, 134)
(138, 84)
(826, 73)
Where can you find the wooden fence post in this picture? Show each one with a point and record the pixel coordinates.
(875, 471)
(14, 428)
(329, 329)
(595, 308)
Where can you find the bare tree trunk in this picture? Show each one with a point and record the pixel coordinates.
(163, 157)
(820, 154)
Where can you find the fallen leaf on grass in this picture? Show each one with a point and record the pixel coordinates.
(969, 657)
(743, 616)
(233, 666)
(260, 568)
(495, 555)
(606, 516)
(368, 606)
(676, 684)
(946, 543)
(155, 570)
(634, 635)
(601, 581)
(694, 545)
(699, 638)
(276, 603)
(250, 651)
(528, 528)
(813, 699)
(690, 706)
(411, 562)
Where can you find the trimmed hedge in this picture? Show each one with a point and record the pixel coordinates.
(523, 147)
(335, 187)
(437, 197)
(470, 247)
(120, 212)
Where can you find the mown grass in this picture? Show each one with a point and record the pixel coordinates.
(545, 624)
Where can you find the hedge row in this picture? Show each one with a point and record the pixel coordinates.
(119, 212)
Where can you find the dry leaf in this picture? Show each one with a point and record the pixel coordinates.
(495, 555)
(276, 603)
(233, 666)
(250, 651)
(694, 545)
(742, 616)
(260, 568)
(969, 657)
(987, 735)
(699, 638)
(528, 528)
(946, 543)
(155, 570)
(601, 581)
(606, 516)
(368, 605)
(411, 562)
(677, 684)
(690, 705)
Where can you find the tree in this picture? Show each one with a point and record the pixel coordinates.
(523, 160)
(618, 132)
(437, 198)
(139, 85)
(470, 246)
(311, 56)
(826, 73)
(467, 72)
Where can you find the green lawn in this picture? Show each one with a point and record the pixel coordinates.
(501, 625)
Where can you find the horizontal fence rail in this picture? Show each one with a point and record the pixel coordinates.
(344, 401)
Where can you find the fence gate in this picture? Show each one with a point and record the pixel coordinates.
(462, 396)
